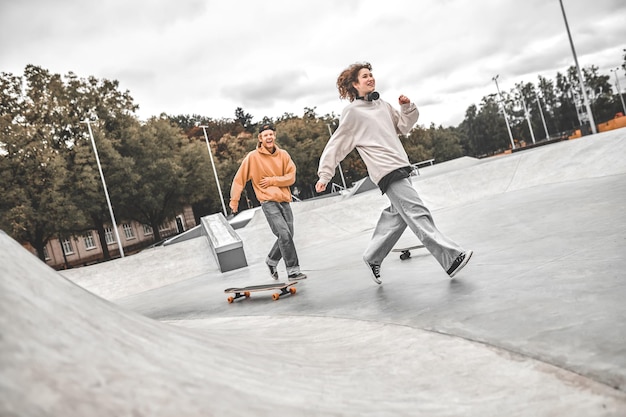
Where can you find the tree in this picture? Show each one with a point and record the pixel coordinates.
(86, 184)
(216, 128)
(419, 145)
(484, 131)
(244, 119)
(156, 192)
(35, 203)
(111, 112)
(304, 138)
(446, 143)
(228, 152)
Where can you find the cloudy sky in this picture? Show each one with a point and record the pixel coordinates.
(273, 57)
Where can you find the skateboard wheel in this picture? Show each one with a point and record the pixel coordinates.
(230, 300)
(405, 256)
(247, 294)
(275, 297)
(292, 290)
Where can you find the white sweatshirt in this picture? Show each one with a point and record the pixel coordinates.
(372, 127)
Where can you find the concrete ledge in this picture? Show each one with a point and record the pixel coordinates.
(225, 244)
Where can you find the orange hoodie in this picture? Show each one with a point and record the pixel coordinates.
(259, 164)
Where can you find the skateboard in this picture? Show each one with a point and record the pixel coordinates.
(406, 252)
(284, 287)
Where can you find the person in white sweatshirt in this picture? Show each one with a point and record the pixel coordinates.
(371, 125)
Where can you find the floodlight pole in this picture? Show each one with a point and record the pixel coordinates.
(619, 89)
(580, 74)
(217, 180)
(343, 180)
(106, 192)
(506, 118)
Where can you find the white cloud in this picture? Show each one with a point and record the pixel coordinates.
(280, 56)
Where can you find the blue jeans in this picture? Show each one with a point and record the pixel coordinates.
(407, 209)
(280, 219)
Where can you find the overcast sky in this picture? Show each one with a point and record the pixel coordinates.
(272, 57)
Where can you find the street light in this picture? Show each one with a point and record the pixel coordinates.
(217, 181)
(343, 180)
(106, 192)
(580, 74)
(506, 118)
(619, 88)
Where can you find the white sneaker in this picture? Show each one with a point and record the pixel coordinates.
(459, 263)
(273, 271)
(375, 270)
(296, 276)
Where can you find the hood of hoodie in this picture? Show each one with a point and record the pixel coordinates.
(264, 151)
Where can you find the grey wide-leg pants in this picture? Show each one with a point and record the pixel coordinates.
(407, 209)
(280, 219)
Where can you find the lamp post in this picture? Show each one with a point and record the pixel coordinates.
(580, 74)
(619, 89)
(506, 118)
(106, 192)
(343, 180)
(217, 181)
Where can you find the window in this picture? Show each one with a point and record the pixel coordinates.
(108, 235)
(67, 247)
(89, 242)
(128, 231)
(45, 253)
(147, 230)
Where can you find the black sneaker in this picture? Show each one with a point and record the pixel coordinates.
(459, 263)
(375, 270)
(296, 276)
(273, 271)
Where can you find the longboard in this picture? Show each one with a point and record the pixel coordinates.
(406, 252)
(284, 287)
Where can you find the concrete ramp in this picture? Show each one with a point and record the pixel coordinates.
(532, 327)
(66, 352)
(326, 221)
(594, 156)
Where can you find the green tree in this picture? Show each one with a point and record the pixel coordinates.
(419, 145)
(227, 140)
(157, 191)
(446, 143)
(244, 119)
(484, 129)
(86, 183)
(111, 112)
(304, 138)
(437, 143)
(35, 203)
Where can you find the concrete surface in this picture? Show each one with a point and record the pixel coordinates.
(533, 326)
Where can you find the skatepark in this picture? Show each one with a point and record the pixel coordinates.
(535, 325)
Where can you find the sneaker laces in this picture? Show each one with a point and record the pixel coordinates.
(375, 270)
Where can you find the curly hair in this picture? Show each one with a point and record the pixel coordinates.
(349, 76)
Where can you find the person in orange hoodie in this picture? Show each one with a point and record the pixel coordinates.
(272, 172)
